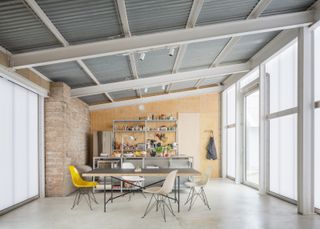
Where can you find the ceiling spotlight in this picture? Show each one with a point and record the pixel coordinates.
(171, 51)
(141, 107)
(142, 56)
(163, 87)
(146, 90)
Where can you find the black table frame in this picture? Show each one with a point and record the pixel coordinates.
(140, 188)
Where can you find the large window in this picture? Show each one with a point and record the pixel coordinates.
(317, 119)
(252, 137)
(18, 144)
(282, 75)
(231, 132)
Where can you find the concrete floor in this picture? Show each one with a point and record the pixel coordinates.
(233, 206)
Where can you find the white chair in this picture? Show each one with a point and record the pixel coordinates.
(137, 180)
(197, 189)
(160, 195)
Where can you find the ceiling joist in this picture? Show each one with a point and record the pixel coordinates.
(122, 10)
(163, 39)
(160, 80)
(255, 13)
(45, 19)
(156, 98)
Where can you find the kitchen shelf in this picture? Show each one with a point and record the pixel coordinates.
(147, 128)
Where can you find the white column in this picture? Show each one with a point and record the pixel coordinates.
(305, 122)
(224, 134)
(239, 135)
(41, 147)
(263, 129)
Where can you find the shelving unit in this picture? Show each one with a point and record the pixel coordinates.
(146, 128)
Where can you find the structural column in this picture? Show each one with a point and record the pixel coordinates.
(263, 128)
(239, 135)
(305, 122)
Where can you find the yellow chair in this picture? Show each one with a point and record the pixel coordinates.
(83, 187)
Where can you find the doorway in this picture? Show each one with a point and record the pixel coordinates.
(251, 138)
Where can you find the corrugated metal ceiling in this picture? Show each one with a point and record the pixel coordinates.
(95, 99)
(216, 11)
(82, 20)
(248, 46)
(287, 6)
(21, 30)
(202, 54)
(183, 85)
(110, 69)
(68, 72)
(156, 62)
(118, 95)
(154, 15)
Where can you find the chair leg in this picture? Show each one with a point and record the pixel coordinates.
(75, 199)
(205, 198)
(191, 193)
(163, 210)
(169, 206)
(93, 197)
(89, 201)
(149, 208)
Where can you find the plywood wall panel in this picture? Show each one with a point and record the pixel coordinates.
(207, 105)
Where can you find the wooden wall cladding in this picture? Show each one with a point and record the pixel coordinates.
(207, 105)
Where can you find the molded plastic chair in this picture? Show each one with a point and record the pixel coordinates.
(160, 195)
(132, 179)
(197, 189)
(83, 187)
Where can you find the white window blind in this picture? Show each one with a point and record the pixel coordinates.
(282, 70)
(18, 144)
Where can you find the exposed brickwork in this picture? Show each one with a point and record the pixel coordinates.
(67, 126)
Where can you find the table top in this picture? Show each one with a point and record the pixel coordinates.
(143, 172)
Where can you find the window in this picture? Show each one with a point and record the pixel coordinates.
(252, 137)
(18, 144)
(251, 76)
(282, 75)
(283, 156)
(231, 132)
(317, 119)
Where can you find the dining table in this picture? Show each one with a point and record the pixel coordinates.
(118, 173)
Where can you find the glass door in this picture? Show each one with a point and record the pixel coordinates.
(251, 143)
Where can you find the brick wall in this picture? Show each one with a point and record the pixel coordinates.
(67, 126)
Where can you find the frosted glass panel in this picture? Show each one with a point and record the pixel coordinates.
(283, 156)
(252, 138)
(20, 133)
(33, 145)
(317, 65)
(6, 144)
(249, 78)
(317, 159)
(231, 152)
(283, 80)
(18, 144)
(231, 105)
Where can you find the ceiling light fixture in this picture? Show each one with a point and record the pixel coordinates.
(142, 56)
(171, 52)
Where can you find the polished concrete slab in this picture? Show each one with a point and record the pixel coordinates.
(233, 206)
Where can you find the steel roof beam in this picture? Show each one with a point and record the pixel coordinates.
(176, 95)
(160, 80)
(164, 39)
(122, 11)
